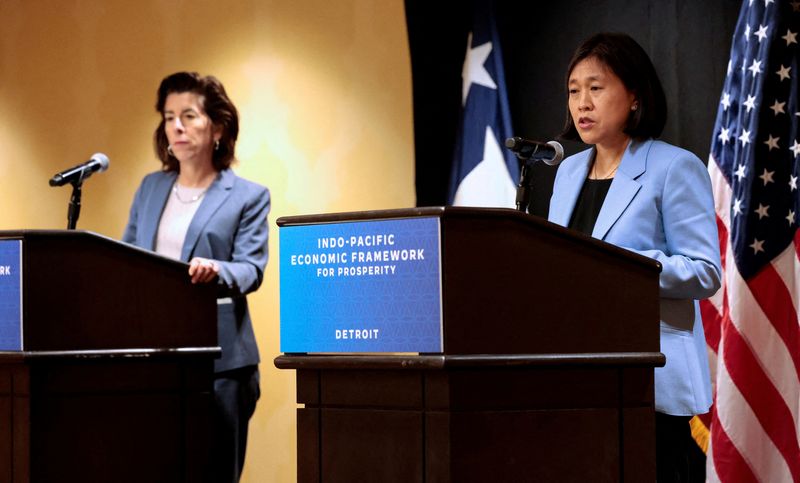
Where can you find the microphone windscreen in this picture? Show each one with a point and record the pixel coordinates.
(102, 159)
(559, 153)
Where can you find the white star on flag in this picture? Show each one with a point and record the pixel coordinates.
(795, 148)
(724, 135)
(726, 101)
(757, 246)
(777, 107)
(750, 103)
(761, 33)
(783, 72)
(762, 211)
(737, 207)
(792, 182)
(790, 217)
(474, 72)
(755, 68)
(745, 137)
(740, 172)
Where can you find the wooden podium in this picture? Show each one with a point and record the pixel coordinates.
(115, 377)
(550, 340)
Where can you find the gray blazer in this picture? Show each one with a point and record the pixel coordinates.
(230, 227)
(660, 205)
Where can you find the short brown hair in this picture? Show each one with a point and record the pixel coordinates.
(628, 61)
(217, 106)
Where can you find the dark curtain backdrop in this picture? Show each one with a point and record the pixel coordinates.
(688, 40)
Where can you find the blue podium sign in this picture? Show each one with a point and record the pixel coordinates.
(366, 286)
(10, 295)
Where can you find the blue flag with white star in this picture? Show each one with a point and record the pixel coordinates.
(484, 173)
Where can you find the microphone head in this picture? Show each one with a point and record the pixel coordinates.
(559, 153)
(511, 143)
(102, 160)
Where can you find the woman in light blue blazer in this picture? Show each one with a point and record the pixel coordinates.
(651, 198)
(197, 210)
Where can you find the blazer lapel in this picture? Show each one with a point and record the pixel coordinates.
(153, 209)
(565, 196)
(217, 193)
(623, 188)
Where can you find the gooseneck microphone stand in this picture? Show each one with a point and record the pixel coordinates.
(74, 210)
(525, 186)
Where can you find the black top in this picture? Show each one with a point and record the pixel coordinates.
(587, 208)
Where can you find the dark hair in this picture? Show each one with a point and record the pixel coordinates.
(217, 106)
(628, 61)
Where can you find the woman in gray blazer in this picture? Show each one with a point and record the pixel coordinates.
(651, 198)
(197, 210)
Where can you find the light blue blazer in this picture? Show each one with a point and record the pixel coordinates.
(660, 205)
(230, 227)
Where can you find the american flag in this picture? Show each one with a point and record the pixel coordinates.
(484, 173)
(752, 322)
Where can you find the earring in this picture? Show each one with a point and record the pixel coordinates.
(634, 107)
(169, 151)
(216, 145)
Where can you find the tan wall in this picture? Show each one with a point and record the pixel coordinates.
(324, 93)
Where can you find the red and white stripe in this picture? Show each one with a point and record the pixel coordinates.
(752, 327)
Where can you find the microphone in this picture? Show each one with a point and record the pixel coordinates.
(98, 162)
(529, 152)
(550, 152)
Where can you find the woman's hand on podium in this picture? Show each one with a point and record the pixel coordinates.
(203, 270)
